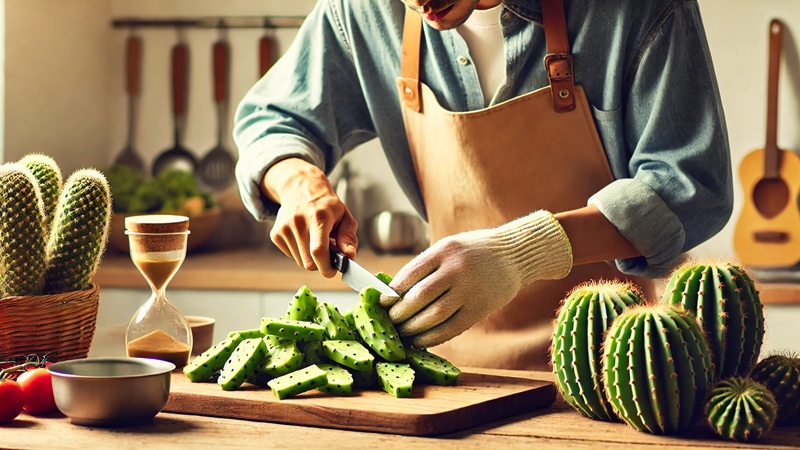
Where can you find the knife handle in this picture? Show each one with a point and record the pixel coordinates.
(338, 260)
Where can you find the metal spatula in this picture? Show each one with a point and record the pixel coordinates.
(217, 166)
(133, 56)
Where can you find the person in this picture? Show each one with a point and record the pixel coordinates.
(545, 143)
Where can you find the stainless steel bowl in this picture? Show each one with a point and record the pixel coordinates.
(396, 232)
(111, 391)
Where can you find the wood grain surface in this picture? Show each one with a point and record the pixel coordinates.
(477, 399)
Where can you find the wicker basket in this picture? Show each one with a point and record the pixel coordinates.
(59, 324)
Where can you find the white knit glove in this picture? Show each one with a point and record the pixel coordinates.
(463, 278)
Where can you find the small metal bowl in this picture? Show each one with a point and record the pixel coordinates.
(396, 232)
(111, 392)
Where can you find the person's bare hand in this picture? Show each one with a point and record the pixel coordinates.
(310, 217)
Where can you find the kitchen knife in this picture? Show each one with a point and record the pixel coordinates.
(356, 276)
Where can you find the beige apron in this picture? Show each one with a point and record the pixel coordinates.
(484, 168)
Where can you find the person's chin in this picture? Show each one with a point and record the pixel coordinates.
(448, 18)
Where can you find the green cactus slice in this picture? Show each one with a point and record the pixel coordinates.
(724, 299)
(741, 409)
(340, 381)
(780, 373)
(396, 379)
(348, 317)
(585, 315)
(242, 363)
(336, 327)
(376, 329)
(430, 368)
(384, 277)
(293, 329)
(349, 354)
(78, 235)
(297, 382)
(48, 176)
(302, 306)
(248, 334)
(22, 232)
(658, 369)
(284, 359)
(274, 341)
(312, 352)
(204, 366)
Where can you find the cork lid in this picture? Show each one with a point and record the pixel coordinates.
(157, 223)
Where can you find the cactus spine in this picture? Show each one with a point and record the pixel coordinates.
(48, 175)
(781, 375)
(726, 303)
(78, 236)
(741, 409)
(22, 232)
(657, 369)
(584, 317)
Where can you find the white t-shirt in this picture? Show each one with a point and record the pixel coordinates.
(484, 37)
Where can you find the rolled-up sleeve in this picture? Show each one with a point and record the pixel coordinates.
(679, 191)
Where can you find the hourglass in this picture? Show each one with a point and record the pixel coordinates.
(157, 329)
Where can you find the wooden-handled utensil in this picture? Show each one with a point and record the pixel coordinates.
(266, 48)
(178, 157)
(766, 233)
(133, 60)
(217, 167)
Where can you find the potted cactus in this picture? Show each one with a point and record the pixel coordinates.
(52, 236)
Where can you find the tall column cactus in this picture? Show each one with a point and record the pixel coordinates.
(48, 176)
(657, 369)
(22, 232)
(78, 235)
(583, 319)
(725, 301)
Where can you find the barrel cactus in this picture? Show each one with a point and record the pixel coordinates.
(78, 235)
(741, 409)
(22, 232)
(780, 373)
(585, 315)
(724, 300)
(657, 368)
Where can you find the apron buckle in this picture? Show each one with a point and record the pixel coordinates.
(558, 66)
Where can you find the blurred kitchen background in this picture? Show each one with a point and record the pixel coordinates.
(62, 85)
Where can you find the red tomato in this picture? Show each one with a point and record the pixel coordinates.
(37, 384)
(11, 400)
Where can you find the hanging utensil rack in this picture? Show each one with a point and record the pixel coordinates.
(211, 22)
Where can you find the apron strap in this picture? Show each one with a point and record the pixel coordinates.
(558, 61)
(409, 68)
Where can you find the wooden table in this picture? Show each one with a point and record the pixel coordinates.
(557, 427)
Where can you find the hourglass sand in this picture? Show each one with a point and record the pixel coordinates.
(158, 247)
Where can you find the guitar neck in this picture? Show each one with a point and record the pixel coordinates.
(771, 153)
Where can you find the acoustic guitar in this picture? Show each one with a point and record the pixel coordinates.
(766, 233)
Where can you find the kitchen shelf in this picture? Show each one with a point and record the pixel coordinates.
(211, 22)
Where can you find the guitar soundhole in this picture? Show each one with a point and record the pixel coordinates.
(770, 196)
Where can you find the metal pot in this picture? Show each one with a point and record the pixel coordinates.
(396, 232)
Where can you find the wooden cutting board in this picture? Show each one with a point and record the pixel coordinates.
(478, 398)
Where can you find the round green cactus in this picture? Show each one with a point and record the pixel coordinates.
(780, 373)
(741, 409)
(48, 176)
(657, 368)
(727, 305)
(585, 315)
(78, 235)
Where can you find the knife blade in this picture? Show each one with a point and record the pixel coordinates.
(358, 277)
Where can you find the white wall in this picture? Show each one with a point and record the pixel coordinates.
(64, 79)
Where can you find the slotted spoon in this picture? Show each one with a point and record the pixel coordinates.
(217, 166)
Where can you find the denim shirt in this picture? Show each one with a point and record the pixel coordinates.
(644, 65)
